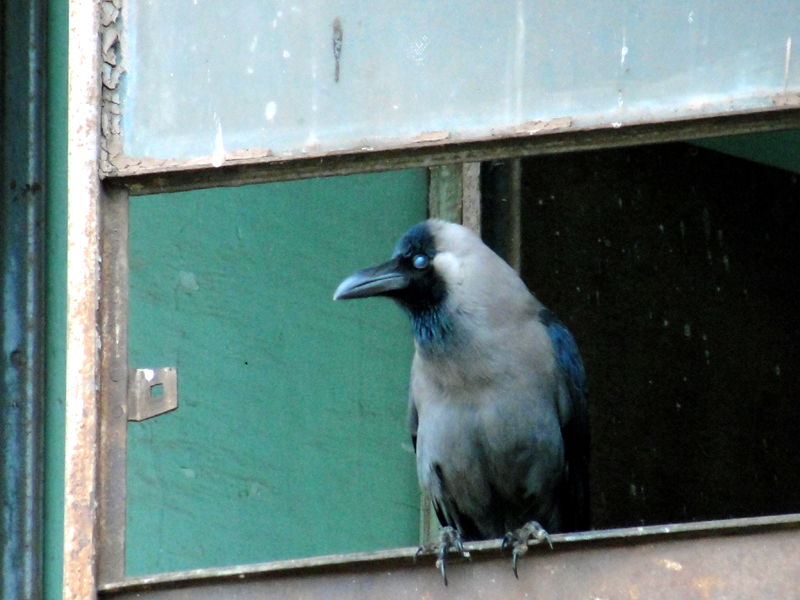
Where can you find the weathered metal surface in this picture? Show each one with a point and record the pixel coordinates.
(742, 558)
(143, 401)
(22, 209)
(445, 192)
(113, 410)
(269, 81)
(189, 175)
(83, 341)
(471, 199)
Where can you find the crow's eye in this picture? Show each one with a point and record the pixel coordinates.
(421, 261)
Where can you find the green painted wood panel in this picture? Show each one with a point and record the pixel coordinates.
(290, 439)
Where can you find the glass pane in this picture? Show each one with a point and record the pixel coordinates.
(290, 439)
(210, 78)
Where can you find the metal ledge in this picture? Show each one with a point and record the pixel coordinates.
(738, 558)
(191, 174)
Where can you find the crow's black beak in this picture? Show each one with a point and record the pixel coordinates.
(373, 281)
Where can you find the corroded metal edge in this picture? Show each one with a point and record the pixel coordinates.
(113, 407)
(83, 340)
(407, 557)
(141, 404)
(173, 176)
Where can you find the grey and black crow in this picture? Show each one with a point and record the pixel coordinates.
(497, 400)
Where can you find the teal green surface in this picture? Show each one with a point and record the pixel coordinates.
(777, 148)
(290, 439)
(56, 296)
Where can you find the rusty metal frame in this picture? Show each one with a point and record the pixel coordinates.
(83, 279)
(114, 381)
(737, 558)
(189, 175)
(740, 558)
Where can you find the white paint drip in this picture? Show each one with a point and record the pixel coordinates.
(149, 374)
(271, 110)
(786, 62)
(519, 65)
(254, 44)
(218, 156)
(624, 52)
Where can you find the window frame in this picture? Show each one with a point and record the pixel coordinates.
(97, 370)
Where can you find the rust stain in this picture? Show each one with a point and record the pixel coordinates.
(85, 62)
(122, 164)
(706, 585)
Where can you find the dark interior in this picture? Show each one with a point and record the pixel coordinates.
(676, 269)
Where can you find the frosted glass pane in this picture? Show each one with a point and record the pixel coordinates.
(206, 76)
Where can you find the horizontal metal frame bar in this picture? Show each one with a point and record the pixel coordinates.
(732, 559)
(191, 175)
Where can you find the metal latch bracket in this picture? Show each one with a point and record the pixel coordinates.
(152, 392)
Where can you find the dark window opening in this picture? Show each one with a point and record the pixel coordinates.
(676, 268)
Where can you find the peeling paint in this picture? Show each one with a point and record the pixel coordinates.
(112, 70)
(670, 565)
(531, 127)
(431, 136)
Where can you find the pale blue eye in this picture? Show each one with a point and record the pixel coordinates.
(421, 261)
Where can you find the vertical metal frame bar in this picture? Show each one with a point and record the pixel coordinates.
(113, 407)
(83, 270)
(22, 248)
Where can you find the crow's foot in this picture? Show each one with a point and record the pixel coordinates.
(449, 540)
(519, 540)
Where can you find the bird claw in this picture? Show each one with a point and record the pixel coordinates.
(522, 538)
(449, 540)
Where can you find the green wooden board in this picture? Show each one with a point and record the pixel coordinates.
(290, 439)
